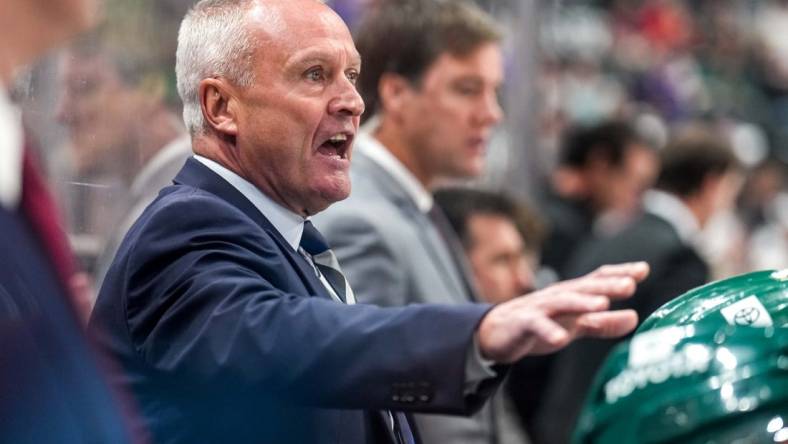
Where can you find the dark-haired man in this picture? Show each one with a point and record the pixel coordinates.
(699, 176)
(500, 236)
(430, 87)
(123, 136)
(603, 171)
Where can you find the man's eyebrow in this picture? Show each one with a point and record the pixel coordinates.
(308, 57)
(355, 59)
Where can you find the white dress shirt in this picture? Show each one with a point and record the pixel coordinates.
(289, 224)
(11, 152)
(675, 212)
(372, 148)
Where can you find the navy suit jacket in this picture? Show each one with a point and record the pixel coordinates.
(51, 386)
(226, 335)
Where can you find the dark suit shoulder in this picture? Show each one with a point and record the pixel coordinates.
(649, 239)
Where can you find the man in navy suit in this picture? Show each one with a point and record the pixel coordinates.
(51, 386)
(231, 317)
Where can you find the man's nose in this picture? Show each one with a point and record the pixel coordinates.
(347, 101)
(489, 112)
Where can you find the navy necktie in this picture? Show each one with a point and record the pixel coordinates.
(326, 262)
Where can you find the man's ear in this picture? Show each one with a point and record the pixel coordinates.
(394, 92)
(218, 106)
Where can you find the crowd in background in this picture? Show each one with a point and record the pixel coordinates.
(657, 63)
(664, 64)
(108, 107)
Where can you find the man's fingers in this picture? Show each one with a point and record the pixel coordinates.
(616, 287)
(635, 270)
(544, 335)
(572, 303)
(607, 324)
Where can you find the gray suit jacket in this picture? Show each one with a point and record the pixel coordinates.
(393, 255)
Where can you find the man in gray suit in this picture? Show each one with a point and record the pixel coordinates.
(122, 125)
(430, 86)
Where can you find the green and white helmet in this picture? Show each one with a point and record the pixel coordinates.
(693, 384)
(758, 299)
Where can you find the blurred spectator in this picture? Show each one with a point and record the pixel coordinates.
(602, 173)
(698, 178)
(769, 245)
(764, 183)
(763, 208)
(127, 144)
(501, 238)
(51, 387)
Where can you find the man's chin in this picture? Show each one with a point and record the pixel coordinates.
(328, 196)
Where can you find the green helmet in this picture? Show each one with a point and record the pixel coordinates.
(755, 299)
(695, 384)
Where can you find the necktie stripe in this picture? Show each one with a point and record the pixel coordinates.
(313, 243)
(335, 278)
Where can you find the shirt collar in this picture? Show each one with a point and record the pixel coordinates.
(674, 211)
(11, 151)
(379, 154)
(290, 225)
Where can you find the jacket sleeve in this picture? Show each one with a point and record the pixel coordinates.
(210, 299)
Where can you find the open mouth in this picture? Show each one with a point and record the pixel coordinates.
(336, 146)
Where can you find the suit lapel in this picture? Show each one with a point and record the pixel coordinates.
(433, 243)
(197, 175)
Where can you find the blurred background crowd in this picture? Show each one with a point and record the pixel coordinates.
(597, 94)
(107, 105)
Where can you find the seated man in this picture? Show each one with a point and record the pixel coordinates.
(501, 238)
(121, 132)
(699, 177)
(596, 189)
(225, 306)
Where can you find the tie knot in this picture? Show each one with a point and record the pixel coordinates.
(312, 241)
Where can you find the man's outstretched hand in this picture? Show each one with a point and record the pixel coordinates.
(547, 320)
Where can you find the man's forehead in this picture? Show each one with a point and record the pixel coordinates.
(486, 61)
(294, 20)
(323, 49)
(301, 30)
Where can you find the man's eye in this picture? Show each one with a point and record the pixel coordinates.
(467, 90)
(352, 76)
(315, 75)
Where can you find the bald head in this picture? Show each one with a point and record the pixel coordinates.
(282, 110)
(218, 38)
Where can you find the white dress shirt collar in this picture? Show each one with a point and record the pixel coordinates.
(11, 152)
(675, 212)
(290, 225)
(379, 154)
